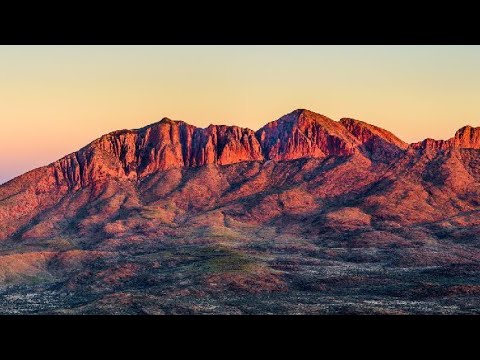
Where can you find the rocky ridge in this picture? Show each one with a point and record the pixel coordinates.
(305, 215)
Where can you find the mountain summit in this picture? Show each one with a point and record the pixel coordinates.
(303, 133)
(134, 155)
(303, 208)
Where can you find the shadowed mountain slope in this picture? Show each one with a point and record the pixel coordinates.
(256, 212)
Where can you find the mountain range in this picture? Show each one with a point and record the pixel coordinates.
(305, 215)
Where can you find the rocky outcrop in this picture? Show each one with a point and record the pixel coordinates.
(467, 137)
(365, 133)
(223, 145)
(139, 222)
(377, 143)
(303, 133)
(172, 144)
(168, 144)
(133, 155)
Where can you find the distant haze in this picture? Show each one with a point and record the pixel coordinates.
(56, 99)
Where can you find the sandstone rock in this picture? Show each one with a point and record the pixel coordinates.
(172, 218)
(467, 137)
(179, 170)
(379, 144)
(303, 133)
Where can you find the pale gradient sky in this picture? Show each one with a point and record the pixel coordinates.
(56, 99)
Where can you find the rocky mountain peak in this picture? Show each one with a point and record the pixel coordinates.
(467, 137)
(168, 144)
(303, 133)
(377, 143)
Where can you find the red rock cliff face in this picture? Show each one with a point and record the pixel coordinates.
(161, 146)
(132, 155)
(366, 132)
(222, 145)
(467, 137)
(167, 144)
(379, 144)
(303, 133)
(111, 156)
(171, 144)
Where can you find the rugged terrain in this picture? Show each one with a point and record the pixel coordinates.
(305, 216)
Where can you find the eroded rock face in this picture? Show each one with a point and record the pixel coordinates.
(168, 144)
(150, 221)
(379, 144)
(353, 154)
(467, 137)
(303, 133)
(224, 145)
(366, 132)
(136, 154)
(172, 144)
(133, 155)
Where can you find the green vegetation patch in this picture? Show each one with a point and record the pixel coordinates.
(222, 233)
(227, 260)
